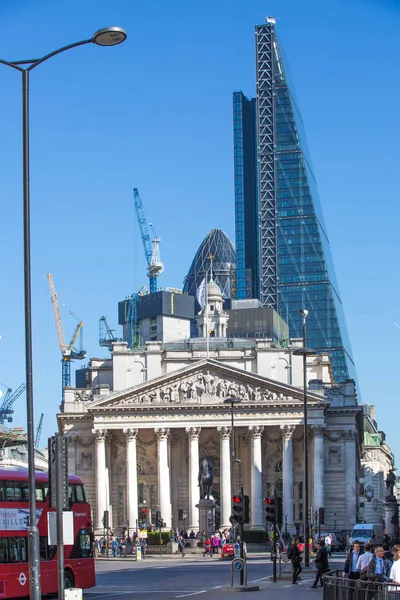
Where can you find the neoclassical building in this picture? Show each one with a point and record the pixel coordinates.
(140, 426)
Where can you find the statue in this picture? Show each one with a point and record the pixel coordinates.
(390, 483)
(206, 478)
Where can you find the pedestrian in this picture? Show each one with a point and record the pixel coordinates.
(321, 563)
(207, 547)
(395, 570)
(181, 546)
(114, 548)
(143, 545)
(215, 543)
(363, 561)
(350, 567)
(294, 555)
(378, 567)
(95, 547)
(328, 544)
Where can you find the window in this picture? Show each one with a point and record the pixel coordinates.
(76, 494)
(85, 542)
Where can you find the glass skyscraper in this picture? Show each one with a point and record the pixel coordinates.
(283, 254)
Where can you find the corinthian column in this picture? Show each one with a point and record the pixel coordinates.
(225, 476)
(194, 492)
(318, 431)
(287, 469)
(101, 482)
(131, 476)
(256, 511)
(164, 485)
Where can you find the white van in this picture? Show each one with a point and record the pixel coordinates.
(367, 532)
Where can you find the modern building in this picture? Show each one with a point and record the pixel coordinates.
(218, 245)
(282, 246)
(143, 420)
(250, 319)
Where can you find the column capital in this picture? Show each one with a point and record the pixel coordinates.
(100, 434)
(224, 432)
(193, 432)
(288, 431)
(318, 430)
(256, 431)
(131, 434)
(162, 433)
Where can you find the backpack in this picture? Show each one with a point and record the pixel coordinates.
(290, 552)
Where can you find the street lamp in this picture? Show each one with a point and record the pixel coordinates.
(110, 36)
(304, 352)
(232, 402)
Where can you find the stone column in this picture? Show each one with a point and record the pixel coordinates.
(225, 476)
(351, 478)
(318, 460)
(194, 490)
(256, 509)
(287, 472)
(164, 484)
(131, 477)
(245, 445)
(101, 479)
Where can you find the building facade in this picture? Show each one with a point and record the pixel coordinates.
(139, 428)
(291, 265)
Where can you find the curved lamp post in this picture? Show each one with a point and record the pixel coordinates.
(110, 36)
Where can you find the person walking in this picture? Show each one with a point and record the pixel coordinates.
(181, 546)
(379, 568)
(143, 545)
(350, 567)
(363, 562)
(321, 562)
(215, 543)
(294, 555)
(207, 547)
(395, 571)
(114, 547)
(328, 544)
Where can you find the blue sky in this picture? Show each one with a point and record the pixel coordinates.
(156, 113)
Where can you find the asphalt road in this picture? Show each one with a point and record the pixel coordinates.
(165, 579)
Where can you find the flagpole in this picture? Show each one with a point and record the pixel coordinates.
(206, 320)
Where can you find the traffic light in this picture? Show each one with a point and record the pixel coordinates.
(238, 509)
(246, 501)
(321, 516)
(159, 520)
(270, 510)
(279, 511)
(143, 515)
(105, 519)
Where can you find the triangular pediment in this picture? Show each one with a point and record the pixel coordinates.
(205, 382)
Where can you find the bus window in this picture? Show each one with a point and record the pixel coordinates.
(40, 492)
(3, 550)
(80, 494)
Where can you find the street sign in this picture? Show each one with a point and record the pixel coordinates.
(68, 528)
(58, 452)
(236, 550)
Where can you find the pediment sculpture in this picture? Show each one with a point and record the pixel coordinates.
(201, 386)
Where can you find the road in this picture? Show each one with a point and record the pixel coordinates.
(165, 579)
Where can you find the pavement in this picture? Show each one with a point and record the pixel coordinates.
(168, 578)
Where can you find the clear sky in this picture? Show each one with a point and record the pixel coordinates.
(156, 113)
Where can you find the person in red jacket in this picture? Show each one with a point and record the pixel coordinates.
(207, 547)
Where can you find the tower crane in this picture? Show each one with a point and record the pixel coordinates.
(151, 246)
(5, 409)
(68, 351)
(39, 431)
(106, 334)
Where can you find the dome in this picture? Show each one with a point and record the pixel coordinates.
(213, 289)
(217, 244)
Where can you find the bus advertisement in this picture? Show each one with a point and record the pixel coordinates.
(79, 568)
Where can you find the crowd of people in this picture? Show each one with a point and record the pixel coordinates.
(365, 563)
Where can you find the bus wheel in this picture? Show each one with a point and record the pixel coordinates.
(68, 580)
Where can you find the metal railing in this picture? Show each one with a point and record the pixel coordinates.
(337, 587)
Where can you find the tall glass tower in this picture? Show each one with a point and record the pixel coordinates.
(283, 254)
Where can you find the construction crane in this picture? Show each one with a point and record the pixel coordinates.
(151, 246)
(106, 334)
(5, 409)
(68, 351)
(39, 431)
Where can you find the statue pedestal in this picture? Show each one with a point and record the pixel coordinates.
(206, 516)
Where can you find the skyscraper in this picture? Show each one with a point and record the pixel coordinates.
(283, 254)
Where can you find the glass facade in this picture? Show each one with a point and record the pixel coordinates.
(217, 244)
(295, 268)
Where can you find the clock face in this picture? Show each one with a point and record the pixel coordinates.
(369, 493)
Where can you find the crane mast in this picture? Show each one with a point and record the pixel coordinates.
(151, 246)
(39, 431)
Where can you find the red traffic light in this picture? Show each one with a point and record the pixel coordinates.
(236, 499)
(268, 500)
(144, 511)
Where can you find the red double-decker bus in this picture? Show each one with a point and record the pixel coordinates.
(14, 518)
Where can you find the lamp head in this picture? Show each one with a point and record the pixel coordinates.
(109, 36)
(304, 313)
